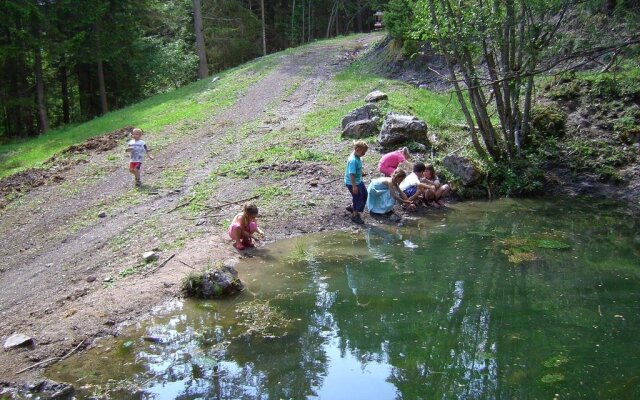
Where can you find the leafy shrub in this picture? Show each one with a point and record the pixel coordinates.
(548, 120)
(522, 177)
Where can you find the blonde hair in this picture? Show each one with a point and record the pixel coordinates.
(136, 130)
(360, 144)
(398, 173)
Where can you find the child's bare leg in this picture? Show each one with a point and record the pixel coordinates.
(236, 234)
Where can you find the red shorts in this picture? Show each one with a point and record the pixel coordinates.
(135, 165)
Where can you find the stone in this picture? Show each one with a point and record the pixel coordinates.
(91, 278)
(212, 283)
(369, 111)
(376, 96)
(17, 340)
(102, 214)
(150, 256)
(48, 389)
(400, 129)
(201, 221)
(464, 169)
(360, 129)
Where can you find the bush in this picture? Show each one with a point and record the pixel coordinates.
(548, 120)
(520, 178)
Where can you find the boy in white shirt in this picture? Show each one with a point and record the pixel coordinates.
(137, 149)
(412, 185)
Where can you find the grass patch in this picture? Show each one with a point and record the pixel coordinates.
(268, 193)
(195, 102)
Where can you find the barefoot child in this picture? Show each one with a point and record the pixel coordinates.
(436, 190)
(137, 149)
(244, 226)
(384, 193)
(353, 181)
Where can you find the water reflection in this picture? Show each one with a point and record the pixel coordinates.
(511, 299)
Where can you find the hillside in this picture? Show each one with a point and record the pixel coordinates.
(68, 275)
(71, 268)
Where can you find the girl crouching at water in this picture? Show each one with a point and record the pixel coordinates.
(384, 192)
(244, 226)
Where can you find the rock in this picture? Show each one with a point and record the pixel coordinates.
(217, 282)
(48, 265)
(150, 256)
(360, 129)
(17, 340)
(91, 278)
(464, 169)
(375, 96)
(102, 214)
(152, 339)
(399, 129)
(48, 389)
(395, 218)
(201, 221)
(369, 111)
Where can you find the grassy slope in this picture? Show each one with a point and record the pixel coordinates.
(200, 99)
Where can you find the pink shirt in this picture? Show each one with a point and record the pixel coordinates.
(390, 161)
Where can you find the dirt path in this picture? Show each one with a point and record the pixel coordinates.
(68, 276)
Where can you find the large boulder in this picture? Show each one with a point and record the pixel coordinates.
(216, 282)
(464, 169)
(369, 111)
(376, 96)
(399, 129)
(360, 129)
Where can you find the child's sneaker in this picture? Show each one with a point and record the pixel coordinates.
(357, 219)
(138, 184)
(349, 208)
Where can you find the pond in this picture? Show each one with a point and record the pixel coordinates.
(504, 299)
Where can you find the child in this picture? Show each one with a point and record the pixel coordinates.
(138, 148)
(243, 226)
(353, 181)
(384, 192)
(412, 187)
(390, 161)
(436, 190)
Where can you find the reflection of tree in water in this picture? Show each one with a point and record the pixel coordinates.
(452, 317)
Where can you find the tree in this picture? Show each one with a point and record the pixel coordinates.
(506, 36)
(203, 68)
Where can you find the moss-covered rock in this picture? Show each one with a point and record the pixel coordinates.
(549, 120)
(215, 282)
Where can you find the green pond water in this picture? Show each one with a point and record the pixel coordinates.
(512, 299)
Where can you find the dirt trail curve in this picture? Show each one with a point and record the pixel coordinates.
(67, 276)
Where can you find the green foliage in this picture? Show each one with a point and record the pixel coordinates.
(398, 17)
(519, 178)
(548, 120)
(597, 156)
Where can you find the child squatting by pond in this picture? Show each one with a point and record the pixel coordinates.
(137, 148)
(353, 181)
(244, 226)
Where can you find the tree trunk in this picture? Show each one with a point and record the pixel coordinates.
(264, 35)
(104, 108)
(203, 68)
(42, 107)
(19, 117)
(64, 88)
(359, 15)
(293, 14)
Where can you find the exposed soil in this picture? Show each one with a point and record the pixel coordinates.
(69, 276)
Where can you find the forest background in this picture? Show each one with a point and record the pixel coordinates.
(68, 61)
